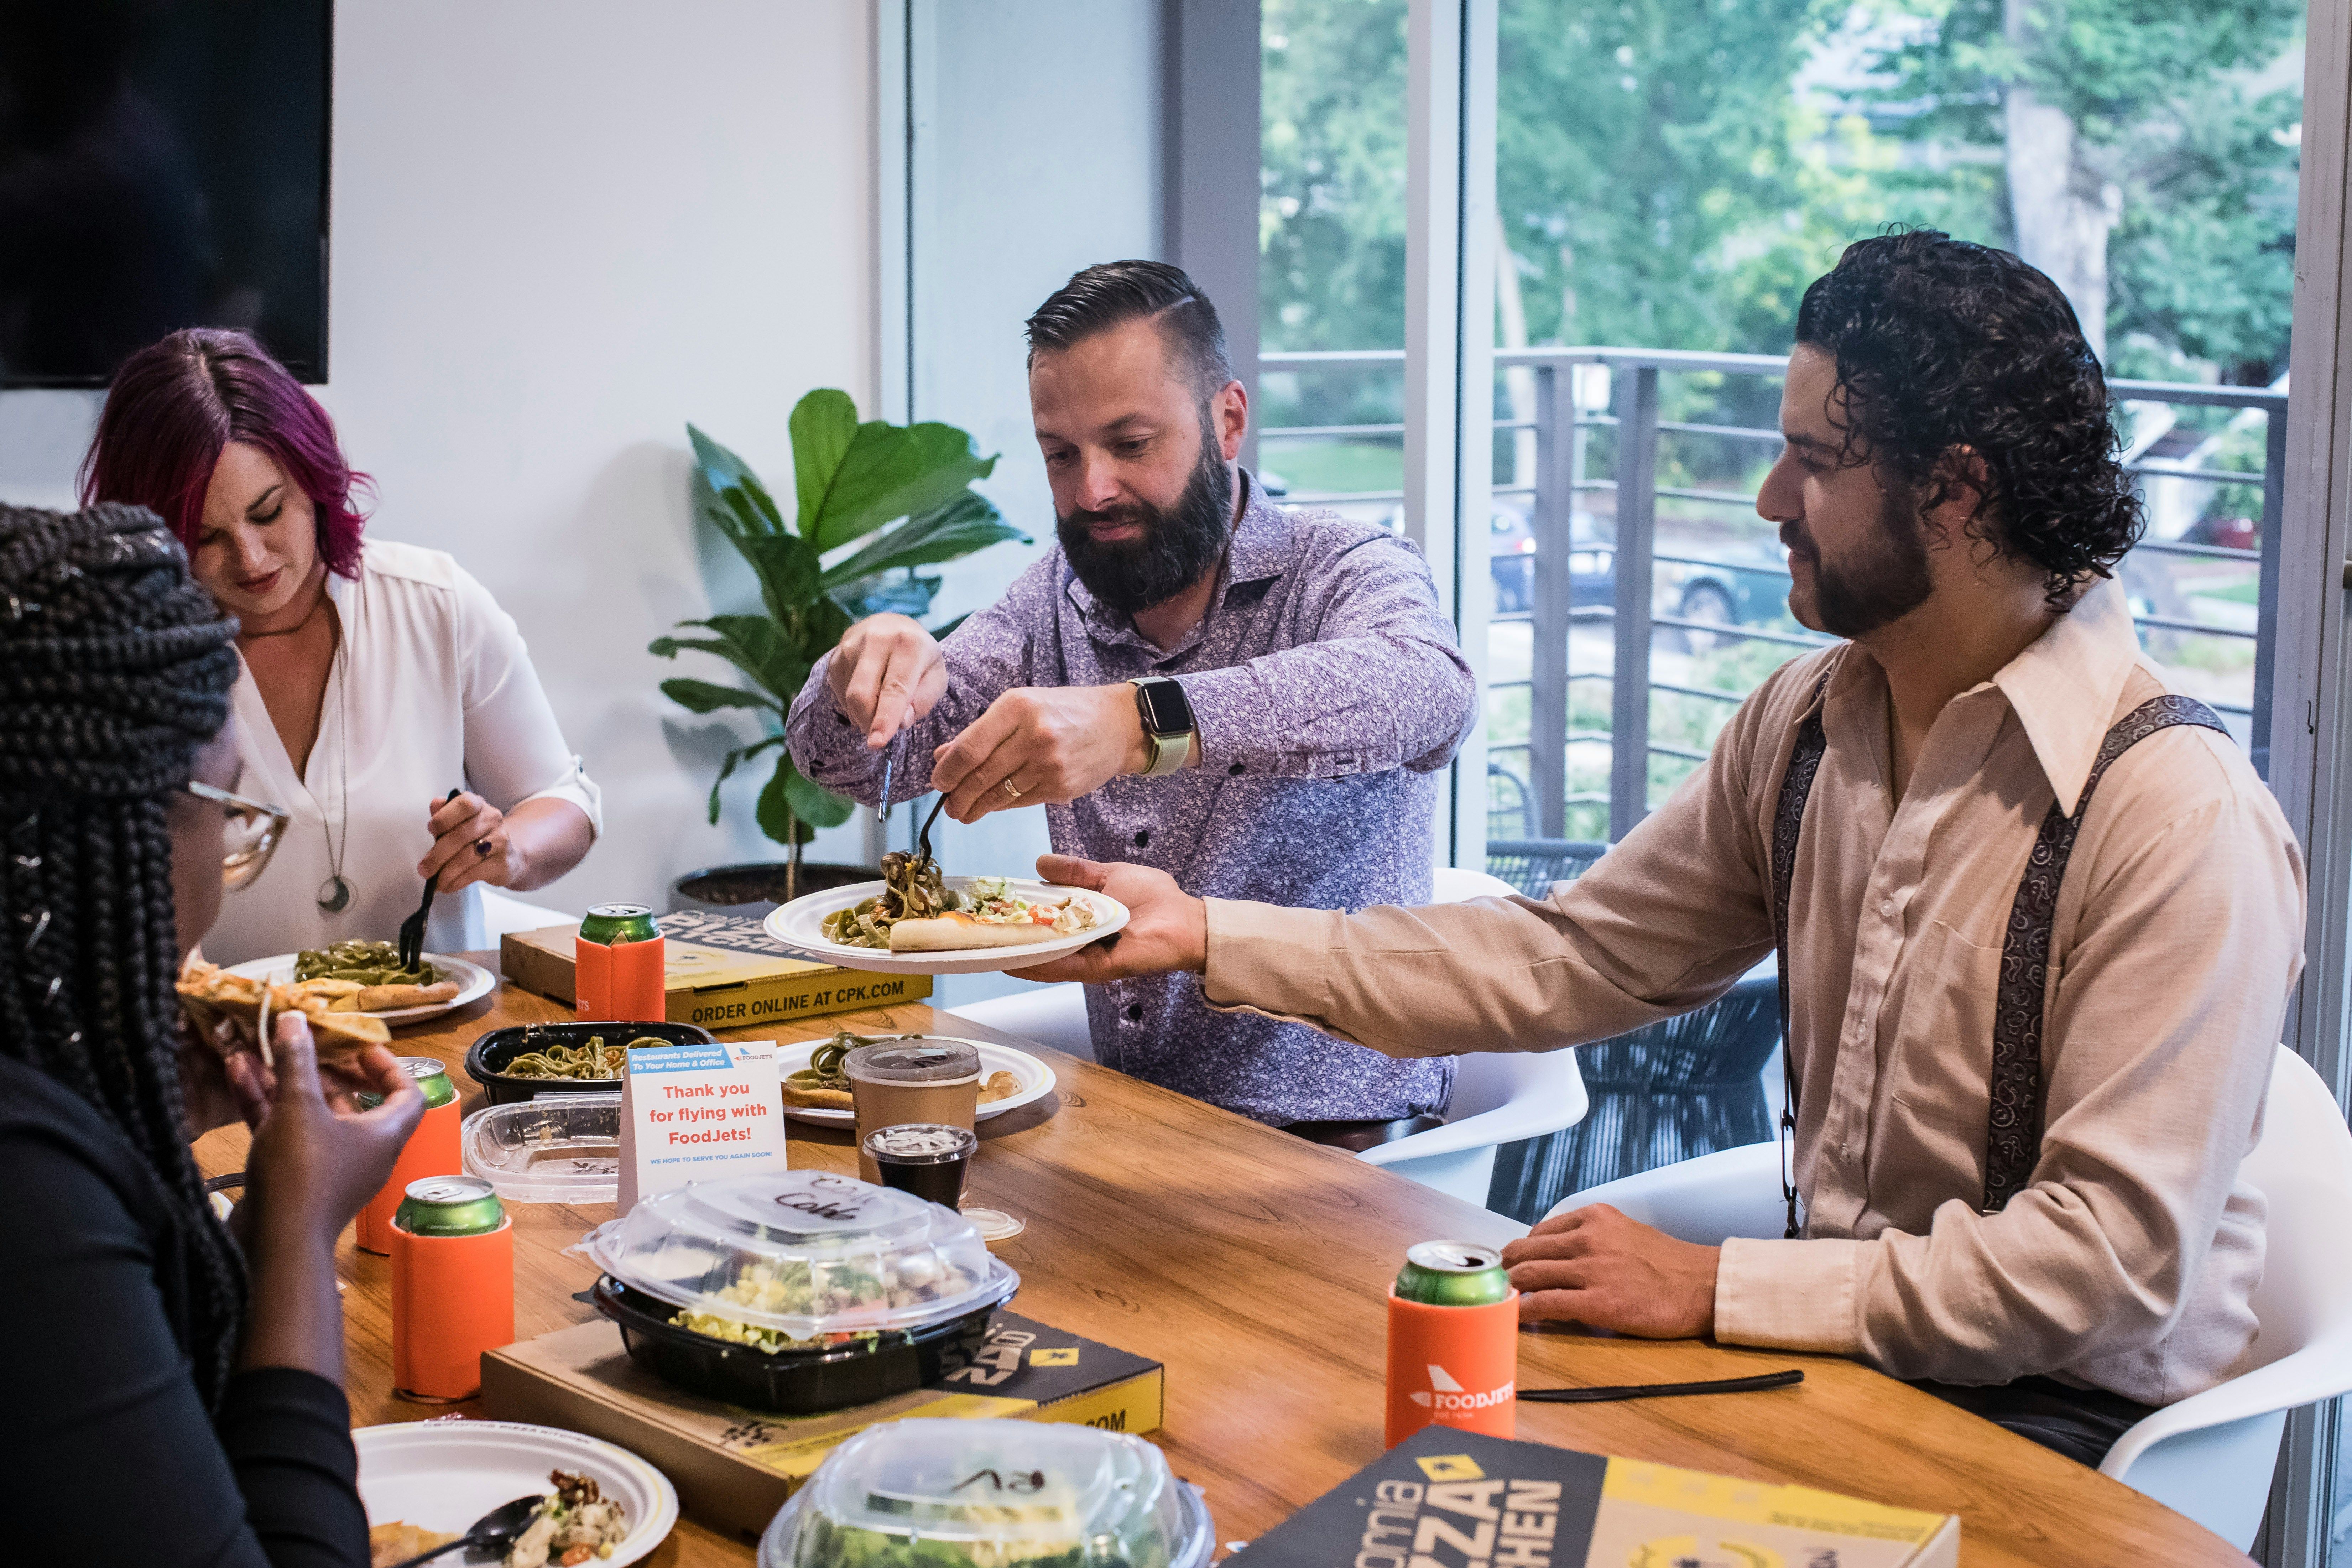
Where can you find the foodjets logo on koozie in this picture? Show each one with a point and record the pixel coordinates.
(1444, 1393)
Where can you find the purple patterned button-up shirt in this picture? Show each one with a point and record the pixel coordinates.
(1328, 690)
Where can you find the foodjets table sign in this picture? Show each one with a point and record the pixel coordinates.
(695, 1113)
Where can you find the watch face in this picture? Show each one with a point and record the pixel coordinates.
(1165, 710)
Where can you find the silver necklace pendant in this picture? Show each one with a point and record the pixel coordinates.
(335, 895)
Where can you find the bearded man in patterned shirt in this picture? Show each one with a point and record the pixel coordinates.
(1325, 692)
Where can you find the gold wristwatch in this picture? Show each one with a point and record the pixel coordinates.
(1168, 724)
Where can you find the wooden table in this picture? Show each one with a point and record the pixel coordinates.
(1254, 1264)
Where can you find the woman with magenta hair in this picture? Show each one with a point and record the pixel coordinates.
(374, 676)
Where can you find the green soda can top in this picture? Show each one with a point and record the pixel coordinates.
(430, 1075)
(1453, 1274)
(610, 925)
(449, 1206)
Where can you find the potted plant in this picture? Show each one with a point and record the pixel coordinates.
(905, 490)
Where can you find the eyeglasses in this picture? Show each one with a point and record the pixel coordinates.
(254, 830)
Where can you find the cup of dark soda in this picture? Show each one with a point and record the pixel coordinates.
(925, 1158)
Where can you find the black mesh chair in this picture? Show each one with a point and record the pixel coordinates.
(1669, 1091)
(1533, 865)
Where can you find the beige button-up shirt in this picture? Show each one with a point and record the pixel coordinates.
(2128, 1262)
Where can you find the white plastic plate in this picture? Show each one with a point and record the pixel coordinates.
(1035, 1077)
(473, 981)
(444, 1475)
(799, 925)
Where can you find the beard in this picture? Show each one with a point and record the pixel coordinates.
(1886, 580)
(1180, 544)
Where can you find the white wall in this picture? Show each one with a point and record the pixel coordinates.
(1030, 160)
(561, 229)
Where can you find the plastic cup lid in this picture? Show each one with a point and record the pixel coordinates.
(913, 1061)
(991, 1492)
(804, 1252)
(922, 1143)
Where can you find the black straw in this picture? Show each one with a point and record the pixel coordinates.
(1789, 1379)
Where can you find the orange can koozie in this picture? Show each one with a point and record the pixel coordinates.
(617, 960)
(452, 1286)
(431, 1150)
(1454, 1343)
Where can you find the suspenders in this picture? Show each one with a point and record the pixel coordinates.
(2013, 1129)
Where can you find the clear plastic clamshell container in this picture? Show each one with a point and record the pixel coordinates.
(557, 1149)
(805, 1253)
(992, 1494)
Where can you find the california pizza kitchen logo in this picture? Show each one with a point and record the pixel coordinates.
(1445, 1394)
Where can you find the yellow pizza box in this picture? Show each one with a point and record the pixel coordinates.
(1445, 1496)
(733, 1468)
(720, 972)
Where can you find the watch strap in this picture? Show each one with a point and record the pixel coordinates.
(1169, 753)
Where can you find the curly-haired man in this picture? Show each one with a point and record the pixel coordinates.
(2037, 916)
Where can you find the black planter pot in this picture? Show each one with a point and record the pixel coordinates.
(753, 890)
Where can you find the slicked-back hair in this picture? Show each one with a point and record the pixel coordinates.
(1942, 344)
(1116, 292)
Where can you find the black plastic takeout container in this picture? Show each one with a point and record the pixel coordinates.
(491, 1053)
(790, 1382)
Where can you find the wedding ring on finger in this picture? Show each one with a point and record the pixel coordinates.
(1010, 789)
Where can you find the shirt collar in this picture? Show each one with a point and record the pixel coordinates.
(1261, 547)
(2064, 687)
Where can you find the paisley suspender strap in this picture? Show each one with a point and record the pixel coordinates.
(2014, 1132)
(1787, 823)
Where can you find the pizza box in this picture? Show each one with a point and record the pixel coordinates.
(734, 1467)
(720, 972)
(1445, 1497)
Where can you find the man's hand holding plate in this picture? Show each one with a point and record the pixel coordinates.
(1167, 928)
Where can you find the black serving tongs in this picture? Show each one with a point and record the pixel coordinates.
(1789, 1379)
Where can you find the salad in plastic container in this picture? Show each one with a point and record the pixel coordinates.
(791, 1259)
(991, 1494)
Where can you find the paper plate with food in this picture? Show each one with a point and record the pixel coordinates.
(917, 921)
(427, 1483)
(368, 978)
(816, 1083)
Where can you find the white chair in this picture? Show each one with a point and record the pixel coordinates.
(1500, 1096)
(503, 913)
(1052, 1015)
(2209, 1455)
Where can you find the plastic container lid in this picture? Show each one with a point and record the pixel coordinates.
(913, 1061)
(557, 1149)
(922, 1143)
(992, 1494)
(804, 1252)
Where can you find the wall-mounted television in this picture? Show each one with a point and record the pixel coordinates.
(163, 164)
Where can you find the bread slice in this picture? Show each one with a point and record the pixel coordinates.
(226, 1012)
(384, 998)
(955, 929)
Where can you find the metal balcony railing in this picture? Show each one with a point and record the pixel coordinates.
(1631, 410)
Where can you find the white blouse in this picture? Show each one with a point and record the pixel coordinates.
(433, 690)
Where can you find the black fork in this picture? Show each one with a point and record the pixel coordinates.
(412, 930)
(923, 839)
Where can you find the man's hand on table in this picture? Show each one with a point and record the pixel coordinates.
(1052, 744)
(1167, 928)
(1593, 1265)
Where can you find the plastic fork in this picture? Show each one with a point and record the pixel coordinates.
(923, 839)
(412, 930)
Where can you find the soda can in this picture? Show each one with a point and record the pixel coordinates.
(1453, 1342)
(617, 966)
(452, 1286)
(432, 1150)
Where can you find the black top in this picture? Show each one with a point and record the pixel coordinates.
(106, 1453)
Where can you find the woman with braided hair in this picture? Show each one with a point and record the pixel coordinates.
(372, 681)
(174, 1385)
